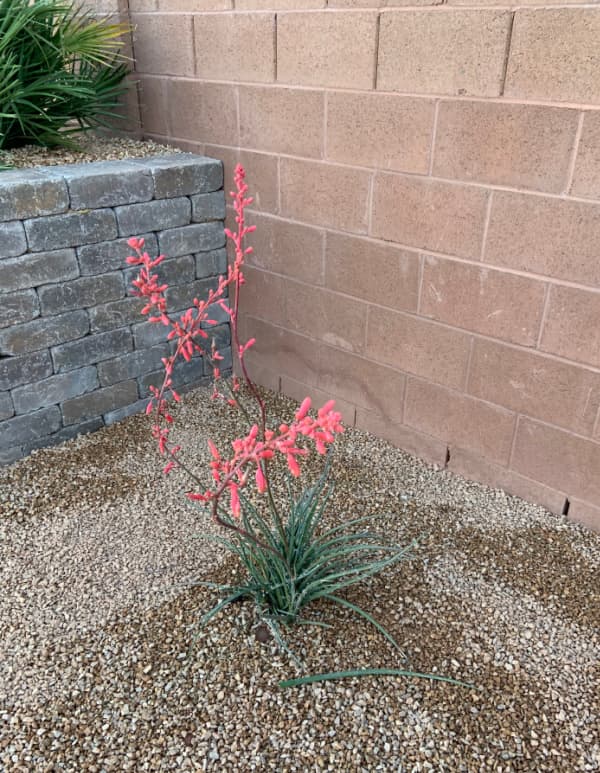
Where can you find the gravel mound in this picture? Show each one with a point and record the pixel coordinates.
(91, 148)
(103, 666)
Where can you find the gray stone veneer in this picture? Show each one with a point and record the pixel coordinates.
(75, 351)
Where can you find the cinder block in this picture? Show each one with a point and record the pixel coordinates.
(105, 184)
(199, 237)
(41, 268)
(540, 387)
(429, 214)
(387, 131)
(15, 371)
(17, 307)
(408, 439)
(153, 104)
(482, 300)
(28, 428)
(208, 206)
(99, 402)
(586, 179)
(282, 120)
(108, 256)
(554, 55)
(54, 389)
(70, 230)
(326, 49)
(360, 383)
(584, 513)
(182, 174)
(326, 316)
(12, 239)
(298, 390)
(550, 236)
(325, 194)
(43, 332)
(132, 365)
(279, 5)
(82, 292)
(207, 110)
(235, 46)
(525, 146)
(26, 193)
(91, 349)
(558, 459)
(262, 174)
(460, 420)
(153, 215)
(372, 271)
(277, 244)
(264, 296)
(443, 51)
(571, 326)
(413, 345)
(163, 44)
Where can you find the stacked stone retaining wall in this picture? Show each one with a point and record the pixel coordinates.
(75, 351)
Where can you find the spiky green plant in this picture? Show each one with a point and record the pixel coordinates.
(61, 72)
(293, 562)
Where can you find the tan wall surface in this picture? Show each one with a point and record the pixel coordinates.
(427, 182)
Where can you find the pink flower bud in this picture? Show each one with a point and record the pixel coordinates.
(304, 409)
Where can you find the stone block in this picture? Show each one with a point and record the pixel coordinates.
(147, 334)
(17, 307)
(108, 256)
(235, 46)
(183, 373)
(183, 174)
(86, 291)
(115, 314)
(105, 184)
(132, 365)
(43, 332)
(182, 297)
(26, 193)
(10, 455)
(92, 349)
(128, 410)
(54, 390)
(172, 272)
(454, 52)
(67, 433)
(99, 402)
(12, 239)
(15, 371)
(70, 230)
(208, 206)
(321, 48)
(153, 215)
(199, 237)
(25, 429)
(6, 406)
(36, 269)
(211, 263)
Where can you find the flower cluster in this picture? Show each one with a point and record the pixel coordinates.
(252, 453)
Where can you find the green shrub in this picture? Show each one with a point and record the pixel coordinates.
(61, 72)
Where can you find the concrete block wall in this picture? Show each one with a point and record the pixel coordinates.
(75, 351)
(427, 182)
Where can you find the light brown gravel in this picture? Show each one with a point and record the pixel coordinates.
(97, 672)
(91, 148)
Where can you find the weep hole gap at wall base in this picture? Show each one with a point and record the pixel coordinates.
(75, 352)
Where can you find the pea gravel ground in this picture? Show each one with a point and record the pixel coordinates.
(98, 619)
